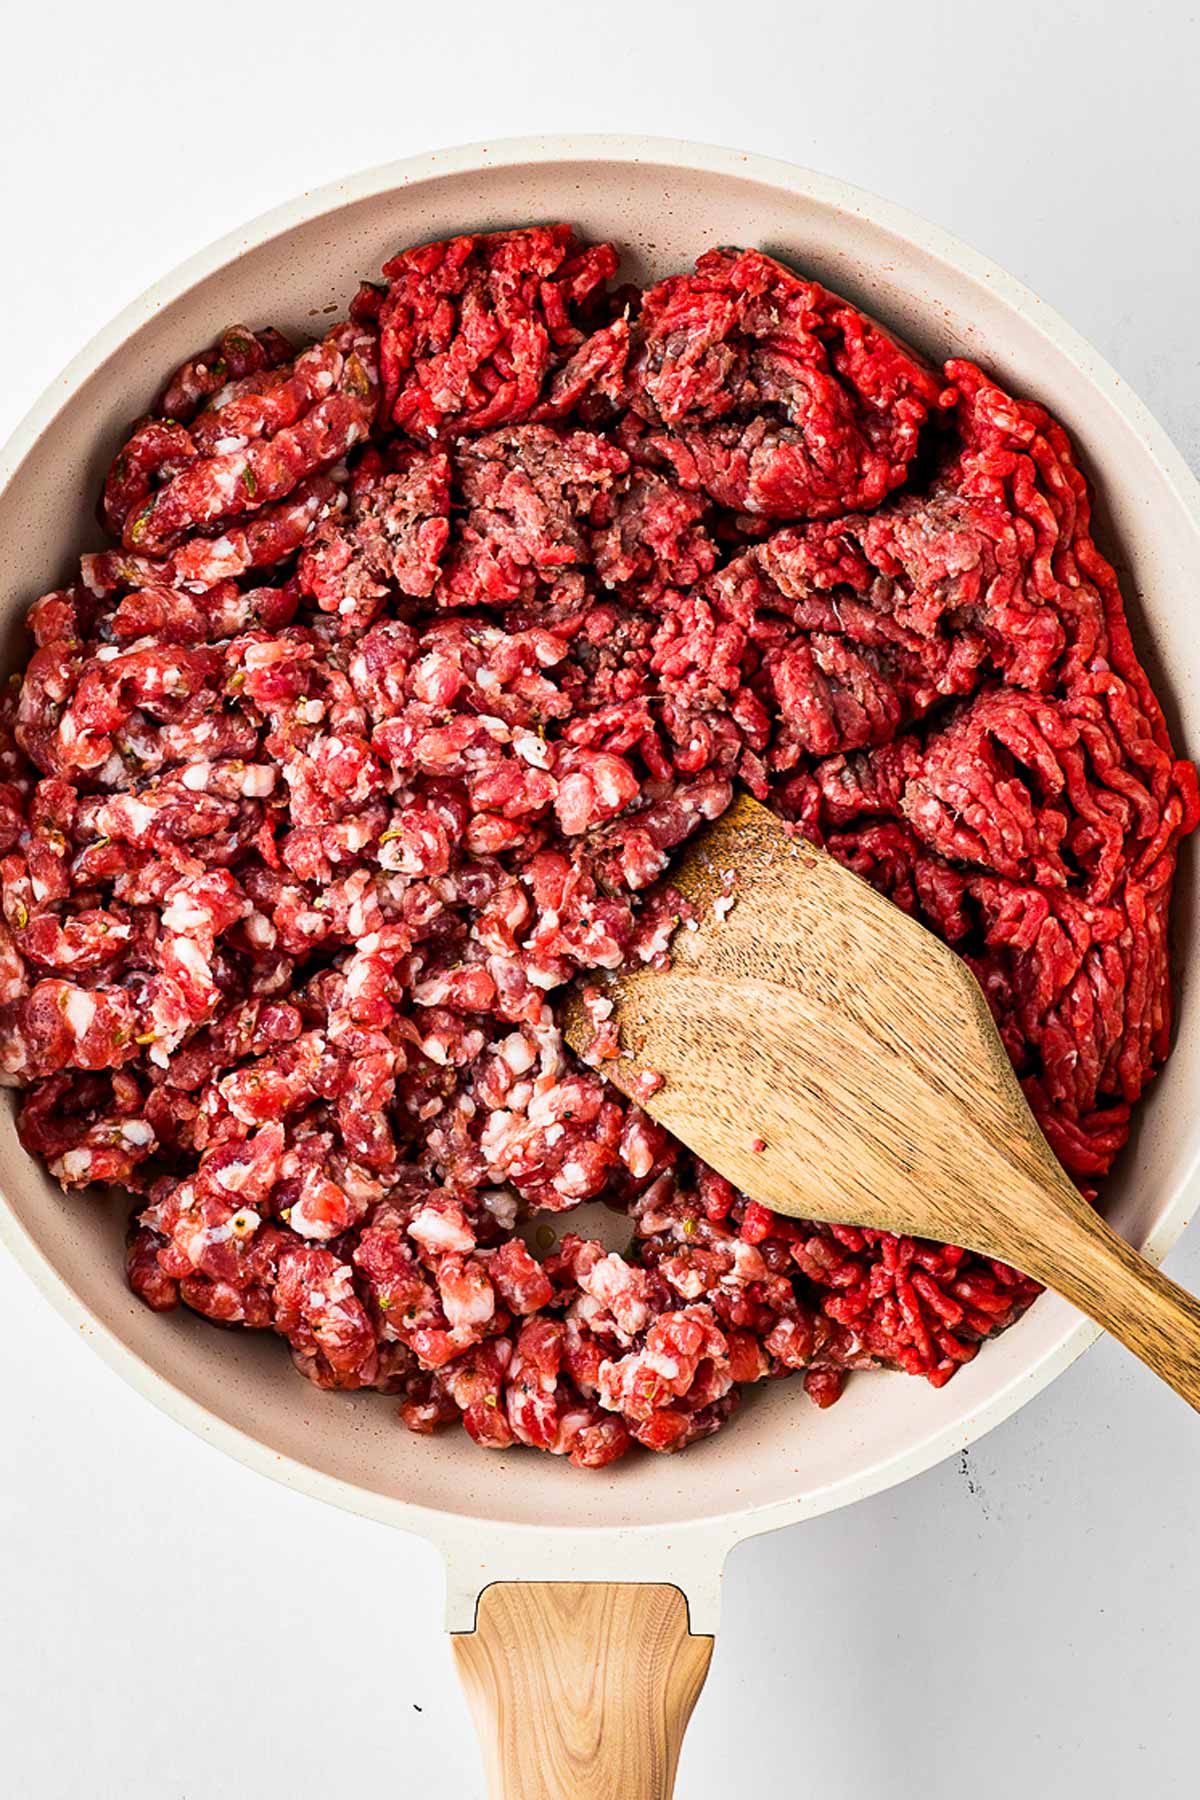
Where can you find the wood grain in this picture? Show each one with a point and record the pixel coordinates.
(836, 1061)
(581, 1690)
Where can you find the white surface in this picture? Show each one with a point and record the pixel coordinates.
(173, 1625)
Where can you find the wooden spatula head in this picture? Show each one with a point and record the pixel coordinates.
(819, 1048)
(835, 1061)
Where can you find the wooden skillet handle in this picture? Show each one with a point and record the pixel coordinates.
(581, 1690)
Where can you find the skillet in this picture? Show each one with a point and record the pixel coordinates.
(584, 1689)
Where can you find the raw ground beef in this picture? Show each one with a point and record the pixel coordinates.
(413, 656)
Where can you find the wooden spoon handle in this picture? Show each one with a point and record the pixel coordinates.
(1071, 1249)
(581, 1690)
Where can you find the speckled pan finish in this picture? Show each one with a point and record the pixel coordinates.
(516, 1514)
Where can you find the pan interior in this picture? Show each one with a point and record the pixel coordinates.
(664, 206)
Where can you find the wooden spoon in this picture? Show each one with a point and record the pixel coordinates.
(836, 1061)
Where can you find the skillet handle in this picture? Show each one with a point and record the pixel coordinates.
(581, 1690)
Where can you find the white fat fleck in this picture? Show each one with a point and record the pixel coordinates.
(543, 1108)
(518, 1053)
(138, 815)
(657, 942)
(359, 975)
(310, 1225)
(532, 749)
(487, 679)
(234, 1176)
(108, 653)
(607, 786)
(258, 781)
(192, 958)
(639, 1159)
(435, 1231)
(466, 1310)
(260, 931)
(80, 1009)
(747, 1262)
(227, 483)
(502, 1205)
(183, 915)
(340, 1285)
(76, 1163)
(495, 1129)
(262, 653)
(195, 778)
(137, 1133)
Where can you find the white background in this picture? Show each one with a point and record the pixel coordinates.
(1021, 1622)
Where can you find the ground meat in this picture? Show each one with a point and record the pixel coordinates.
(420, 651)
(777, 398)
(390, 541)
(238, 353)
(471, 329)
(253, 443)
